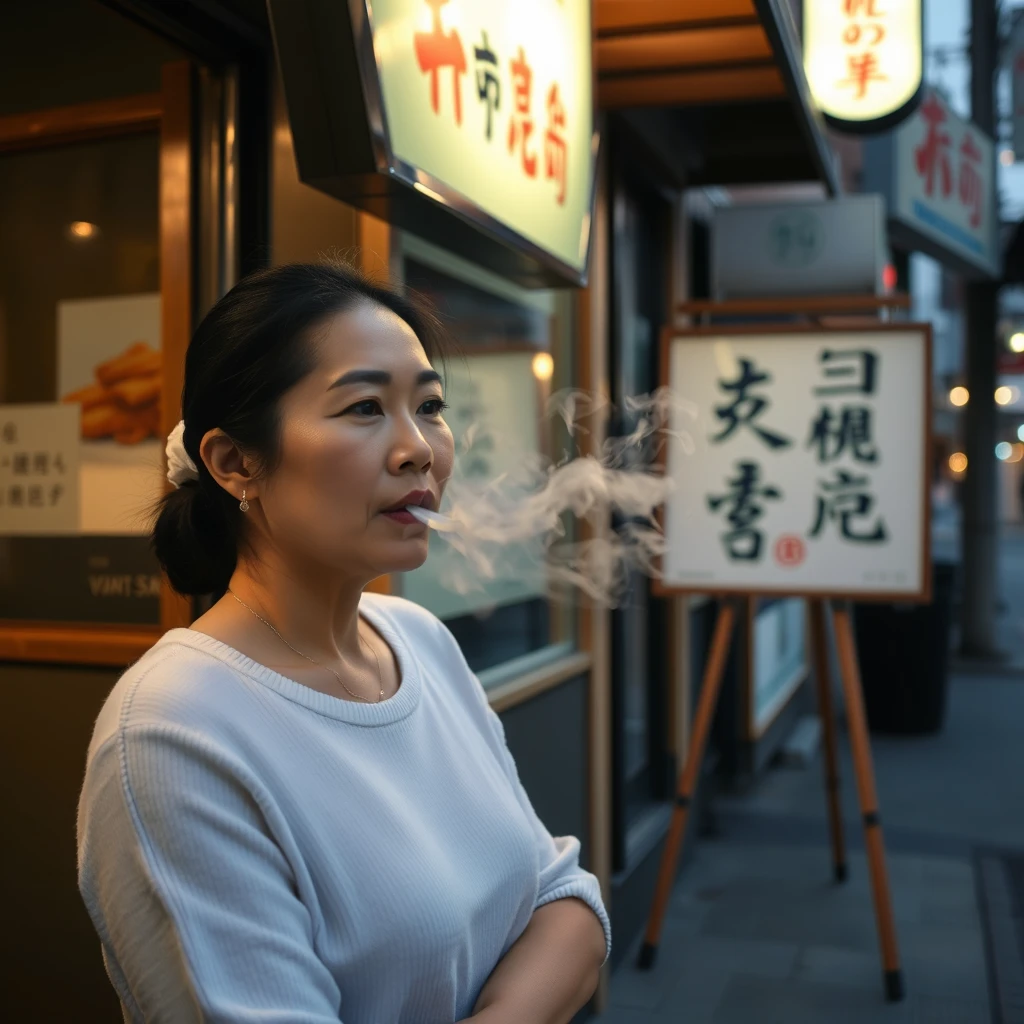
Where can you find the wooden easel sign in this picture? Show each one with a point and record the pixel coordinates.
(804, 473)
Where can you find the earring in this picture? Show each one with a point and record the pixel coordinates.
(243, 504)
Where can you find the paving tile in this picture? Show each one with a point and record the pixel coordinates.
(834, 965)
(772, 1001)
(936, 1010)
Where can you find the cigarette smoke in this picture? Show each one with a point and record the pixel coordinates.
(541, 504)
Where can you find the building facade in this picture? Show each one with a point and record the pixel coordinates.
(152, 154)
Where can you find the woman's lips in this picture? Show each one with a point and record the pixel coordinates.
(402, 516)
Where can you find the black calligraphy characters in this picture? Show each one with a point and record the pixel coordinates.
(745, 408)
(744, 502)
(847, 433)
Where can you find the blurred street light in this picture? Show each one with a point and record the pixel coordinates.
(958, 462)
(959, 396)
(1017, 342)
(1004, 395)
(1004, 450)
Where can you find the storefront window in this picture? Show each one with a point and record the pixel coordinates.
(497, 391)
(81, 361)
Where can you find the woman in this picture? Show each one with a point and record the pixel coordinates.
(301, 809)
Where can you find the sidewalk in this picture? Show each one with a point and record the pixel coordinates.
(758, 933)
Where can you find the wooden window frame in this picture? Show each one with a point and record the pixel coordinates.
(170, 113)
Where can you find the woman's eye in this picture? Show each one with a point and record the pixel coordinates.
(369, 407)
(434, 407)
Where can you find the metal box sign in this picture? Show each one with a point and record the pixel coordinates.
(804, 470)
(471, 124)
(832, 247)
(864, 60)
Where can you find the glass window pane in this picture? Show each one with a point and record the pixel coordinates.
(497, 390)
(80, 452)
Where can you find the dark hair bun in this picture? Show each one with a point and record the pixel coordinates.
(193, 542)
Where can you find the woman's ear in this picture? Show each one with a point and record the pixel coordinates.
(227, 465)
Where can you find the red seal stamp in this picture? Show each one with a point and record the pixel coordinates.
(790, 550)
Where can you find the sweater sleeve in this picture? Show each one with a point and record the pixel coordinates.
(560, 872)
(196, 905)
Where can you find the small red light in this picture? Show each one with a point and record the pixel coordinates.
(889, 277)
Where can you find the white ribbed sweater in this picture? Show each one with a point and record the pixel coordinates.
(251, 849)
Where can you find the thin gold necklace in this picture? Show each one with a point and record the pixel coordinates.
(380, 675)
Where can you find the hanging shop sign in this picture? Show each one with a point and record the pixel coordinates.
(937, 172)
(864, 60)
(805, 469)
(469, 124)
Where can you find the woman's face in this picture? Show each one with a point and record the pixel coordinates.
(361, 435)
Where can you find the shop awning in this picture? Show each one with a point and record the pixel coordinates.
(726, 78)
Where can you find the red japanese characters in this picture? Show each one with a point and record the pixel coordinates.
(540, 154)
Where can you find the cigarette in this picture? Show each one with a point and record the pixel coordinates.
(436, 521)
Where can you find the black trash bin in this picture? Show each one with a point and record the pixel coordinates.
(904, 659)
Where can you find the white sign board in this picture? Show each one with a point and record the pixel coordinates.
(495, 101)
(807, 469)
(833, 247)
(39, 490)
(938, 173)
(863, 58)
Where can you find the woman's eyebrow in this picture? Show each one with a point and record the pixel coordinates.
(381, 378)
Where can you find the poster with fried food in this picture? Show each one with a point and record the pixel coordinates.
(109, 366)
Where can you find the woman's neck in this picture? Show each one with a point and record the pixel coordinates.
(316, 614)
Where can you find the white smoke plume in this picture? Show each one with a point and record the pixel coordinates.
(541, 504)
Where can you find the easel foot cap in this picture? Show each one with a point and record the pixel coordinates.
(648, 954)
(841, 873)
(894, 986)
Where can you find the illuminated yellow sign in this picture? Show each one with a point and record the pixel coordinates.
(491, 104)
(863, 59)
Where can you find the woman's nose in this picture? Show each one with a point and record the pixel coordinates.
(411, 449)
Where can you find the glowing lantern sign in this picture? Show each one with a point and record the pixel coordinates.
(864, 60)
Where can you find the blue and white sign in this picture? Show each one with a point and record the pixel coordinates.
(938, 173)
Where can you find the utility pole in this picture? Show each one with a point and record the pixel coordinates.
(980, 537)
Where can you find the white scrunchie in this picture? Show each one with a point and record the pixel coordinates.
(179, 466)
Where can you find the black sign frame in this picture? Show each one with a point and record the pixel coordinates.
(343, 146)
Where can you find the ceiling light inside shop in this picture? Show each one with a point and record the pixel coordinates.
(1004, 450)
(1004, 395)
(958, 462)
(959, 396)
(1017, 342)
(543, 366)
(82, 230)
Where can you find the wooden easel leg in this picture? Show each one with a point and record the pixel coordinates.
(868, 800)
(819, 647)
(688, 778)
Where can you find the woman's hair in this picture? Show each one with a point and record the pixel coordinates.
(252, 347)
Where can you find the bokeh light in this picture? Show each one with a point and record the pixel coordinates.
(543, 366)
(1004, 395)
(959, 396)
(1004, 450)
(958, 462)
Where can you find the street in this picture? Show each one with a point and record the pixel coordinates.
(757, 932)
